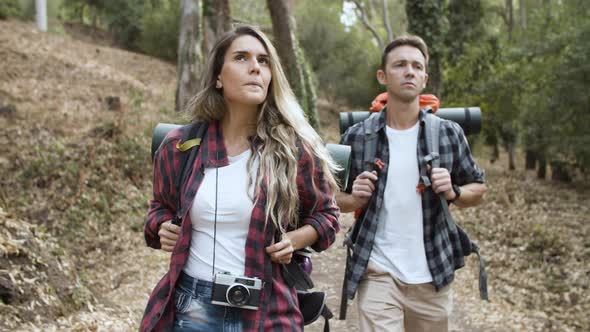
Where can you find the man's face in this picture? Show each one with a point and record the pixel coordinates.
(405, 73)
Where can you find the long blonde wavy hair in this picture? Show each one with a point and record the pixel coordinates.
(281, 123)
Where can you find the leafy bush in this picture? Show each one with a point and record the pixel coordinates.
(10, 8)
(160, 30)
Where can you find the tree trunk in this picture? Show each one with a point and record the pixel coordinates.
(41, 14)
(386, 22)
(522, 10)
(495, 153)
(216, 21)
(294, 63)
(560, 171)
(189, 55)
(361, 13)
(542, 171)
(511, 148)
(510, 18)
(530, 159)
(435, 75)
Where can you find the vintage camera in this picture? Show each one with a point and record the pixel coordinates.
(236, 291)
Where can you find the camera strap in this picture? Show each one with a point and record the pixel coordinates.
(215, 218)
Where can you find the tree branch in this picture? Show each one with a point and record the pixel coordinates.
(362, 15)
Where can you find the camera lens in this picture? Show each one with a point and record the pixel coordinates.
(237, 294)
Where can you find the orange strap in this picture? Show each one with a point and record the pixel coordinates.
(425, 100)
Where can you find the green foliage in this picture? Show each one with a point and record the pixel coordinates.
(151, 27)
(343, 59)
(10, 8)
(427, 19)
(531, 87)
(123, 17)
(147, 26)
(251, 12)
(465, 18)
(136, 98)
(160, 30)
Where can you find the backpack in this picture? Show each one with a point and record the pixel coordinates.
(468, 247)
(311, 304)
(433, 124)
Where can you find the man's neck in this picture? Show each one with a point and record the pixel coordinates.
(402, 115)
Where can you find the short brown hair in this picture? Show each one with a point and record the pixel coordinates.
(409, 40)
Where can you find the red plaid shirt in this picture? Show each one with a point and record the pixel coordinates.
(279, 309)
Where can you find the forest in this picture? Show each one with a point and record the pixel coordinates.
(79, 101)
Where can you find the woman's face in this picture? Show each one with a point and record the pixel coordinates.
(245, 75)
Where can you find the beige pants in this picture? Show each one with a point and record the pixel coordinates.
(387, 304)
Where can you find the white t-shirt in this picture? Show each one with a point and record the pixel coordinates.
(234, 210)
(399, 243)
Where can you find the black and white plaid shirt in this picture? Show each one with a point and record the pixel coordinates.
(443, 252)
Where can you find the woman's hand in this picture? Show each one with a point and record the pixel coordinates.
(168, 235)
(281, 252)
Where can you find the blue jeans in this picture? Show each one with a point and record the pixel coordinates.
(194, 312)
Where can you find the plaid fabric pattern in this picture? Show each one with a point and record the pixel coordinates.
(279, 309)
(443, 249)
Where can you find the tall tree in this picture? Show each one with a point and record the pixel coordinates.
(189, 55)
(509, 18)
(216, 21)
(522, 11)
(427, 19)
(294, 62)
(41, 14)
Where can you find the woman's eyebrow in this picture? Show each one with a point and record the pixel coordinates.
(248, 52)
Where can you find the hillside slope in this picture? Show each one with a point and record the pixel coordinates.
(75, 177)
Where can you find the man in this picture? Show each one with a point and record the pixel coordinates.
(403, 261)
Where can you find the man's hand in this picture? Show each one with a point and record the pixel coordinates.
(281, 252)
(363, 187)
(362, 190)
(168, 235)
(441, 182)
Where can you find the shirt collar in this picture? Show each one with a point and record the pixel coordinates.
(214, 153)
(382, 120)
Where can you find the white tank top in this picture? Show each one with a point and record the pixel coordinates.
(234, 210)
(399, 242)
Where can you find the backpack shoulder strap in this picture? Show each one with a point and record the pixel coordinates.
(432, 158)
(370, 141)
(191, 141)
(432, 135)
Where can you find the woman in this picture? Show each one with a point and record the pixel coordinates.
(260, 188)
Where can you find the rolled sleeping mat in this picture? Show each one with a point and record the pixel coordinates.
(469, 118)
(340, 153)
(160, 132)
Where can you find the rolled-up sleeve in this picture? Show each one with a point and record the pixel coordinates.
(317, 204)
(465, 170)
(161, 206)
